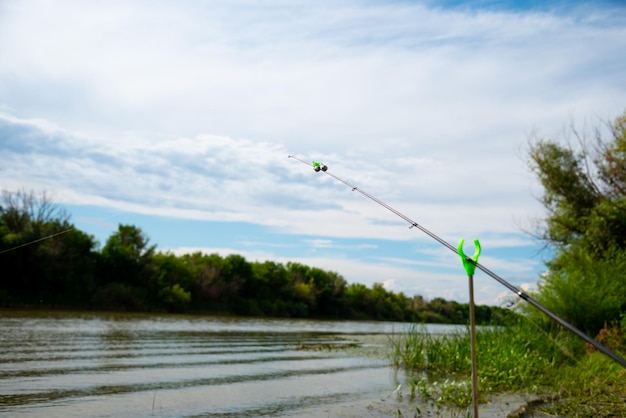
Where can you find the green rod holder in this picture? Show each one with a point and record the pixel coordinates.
(470, 266)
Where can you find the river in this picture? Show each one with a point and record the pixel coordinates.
(69, 364)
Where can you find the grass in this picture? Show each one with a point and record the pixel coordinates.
(519, 357)
(596, 387)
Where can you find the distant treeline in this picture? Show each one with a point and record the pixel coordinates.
(68, 270)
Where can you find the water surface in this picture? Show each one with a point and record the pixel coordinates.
(55, 364)
(73, 364)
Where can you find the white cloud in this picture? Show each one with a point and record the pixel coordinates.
(409, 72)
(190, 110)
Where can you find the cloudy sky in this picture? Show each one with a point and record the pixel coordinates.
(178, 118)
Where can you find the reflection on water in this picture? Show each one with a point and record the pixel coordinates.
(83, 365)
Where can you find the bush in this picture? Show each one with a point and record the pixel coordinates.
(175, 297)
(586, 292)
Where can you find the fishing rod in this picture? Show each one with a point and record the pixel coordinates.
(37, 240)
(319, 167)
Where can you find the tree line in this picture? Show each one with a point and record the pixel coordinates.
(69, 270)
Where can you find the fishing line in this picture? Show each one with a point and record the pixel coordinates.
(323, 168)
(37, 240)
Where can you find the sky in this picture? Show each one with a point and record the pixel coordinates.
(179, 117)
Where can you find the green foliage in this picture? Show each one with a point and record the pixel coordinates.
(595, 388)
(56, 270)
(127, 256)
(586, 292)
(569, 192)
(584, 190)
(443, 394)
(119, 297)
(175, 297)
(520, 357)
(510, 358)
(585, 196)
(612, 159)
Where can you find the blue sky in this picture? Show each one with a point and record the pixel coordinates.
(178, 117)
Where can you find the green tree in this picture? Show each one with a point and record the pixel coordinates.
(584, 189)
(266, 288)
(442, 311)
(236, 275)
(128, 276)
(208, 287)
(173, 279)
(300, 293)
(68, 265)
(52, 263)
(329, 289)
(357, 297)
(587, 291)
(585, 198)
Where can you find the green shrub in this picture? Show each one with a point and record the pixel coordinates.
(586, 292)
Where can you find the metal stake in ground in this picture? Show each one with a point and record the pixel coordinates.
(470, 267)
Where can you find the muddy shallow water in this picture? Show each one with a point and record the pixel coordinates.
(115, 365)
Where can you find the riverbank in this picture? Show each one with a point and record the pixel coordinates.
(561, 376)
(404, 401)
